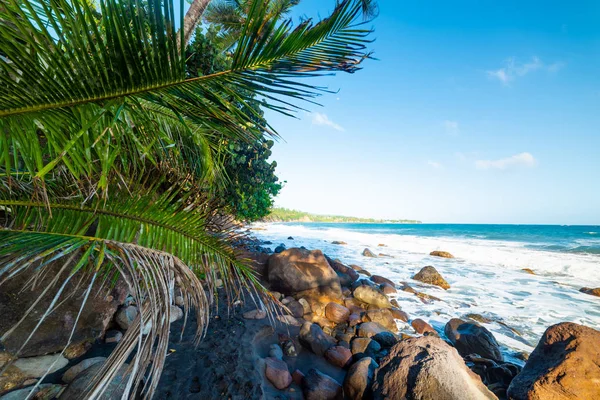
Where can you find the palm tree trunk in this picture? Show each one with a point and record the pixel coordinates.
(192, 17)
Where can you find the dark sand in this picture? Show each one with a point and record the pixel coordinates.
(228, 363)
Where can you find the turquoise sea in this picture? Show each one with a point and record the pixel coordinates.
(486, 277)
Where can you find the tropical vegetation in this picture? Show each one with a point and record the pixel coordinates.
(113, 153)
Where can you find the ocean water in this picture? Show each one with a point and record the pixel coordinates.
(485, 277)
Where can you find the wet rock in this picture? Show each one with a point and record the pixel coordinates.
(370, 295)
(469, 337)
(528, 270)
(255, 314)
(297, 270)
(113, 336)
(443, 254)
(564, 365)
(385, 339)
(290, 238)
(75, 370)
(426, 368)
(279, 249)
(277, 373)
(275, 351)
(369, 329)
(125, 316)
(336, 313)
(368, 253)
(313, 338)
(339, 356)
(383, 317)
(399, 314)
(318, 386)
(297, 377)
(387, 289)
(430, 276)
(358, 381)
(593, 292)
(339, 242)
(80, 384)
(45, 391)
(479, 318)
(421, 326)
(364, 347)
(380, 279)
(35, 367)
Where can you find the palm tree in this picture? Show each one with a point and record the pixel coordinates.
(107, 152)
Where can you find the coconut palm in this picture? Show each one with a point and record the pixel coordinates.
(108, 152)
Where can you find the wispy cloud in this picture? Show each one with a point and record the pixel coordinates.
(513, 69)
(451, 127)
(322, 119)
(518, 160)
(434, 164)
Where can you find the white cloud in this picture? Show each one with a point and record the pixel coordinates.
(513, 70)
(323, 119)
(518, 160)
(434, 164)
(451, 127)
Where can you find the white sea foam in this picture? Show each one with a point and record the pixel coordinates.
(485, 278)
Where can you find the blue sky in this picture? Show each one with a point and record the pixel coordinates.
(475, 112)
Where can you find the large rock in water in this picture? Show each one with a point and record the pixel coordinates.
(565, 365)
(53, 333)
(592, 291)
(296, 270)
(426, 368)
(443, 254)
(469, 338)
(430, 275)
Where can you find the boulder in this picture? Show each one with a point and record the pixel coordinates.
(528, 270)
(36, 367)
(296, 270)
(277, 373)
(313, 338)
(80, 384)
(385, 339)
(339, 356)
(364, 347)
(564, 365)
(593, 292)
(383, 317)
(426, 368)
(255, 314)
(387, 288)
(371, 295)
(369, 329)
(76, 369)
(470, 337)
(318, 386)
(443, 254)
(339, 242)
(368, 253)
(421, 326)
(16, 296)
(430, 276)
(336, 313)
(358, 381)
(399, 314)
(279, 248)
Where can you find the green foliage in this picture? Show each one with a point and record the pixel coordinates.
(287, 215)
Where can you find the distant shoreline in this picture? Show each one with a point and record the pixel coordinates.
(286, 215)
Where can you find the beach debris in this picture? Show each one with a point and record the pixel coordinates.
(566, 360)
(318, 386)
(469, 337)
(426, 368)
(443, 254)
(431, 276)
(358, 381)
(277, 373)
(368, 253)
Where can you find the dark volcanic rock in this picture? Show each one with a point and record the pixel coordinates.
(469, 338)
(426, 368)
(565, 365)
(313, 338)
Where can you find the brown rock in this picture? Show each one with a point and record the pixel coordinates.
(399, 314)
(593, 292)
(383, 317)
(296, 270)
(426, 368)
(297, 377)
(339, 242)
(387, 289)
(336, 313)
(430, 276)
(313, 338)
(443, 254)
(371, 295)
(354, 319)
(343, 269)
(296, 309)
(421, 326)
(368, 253)
(528, 270)
(338, 356)
(469, 337)
(565, 365)
(318, 386)
(277, 373)
(370, 329)
(357, 384)
(255, 314)
(76, 350)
